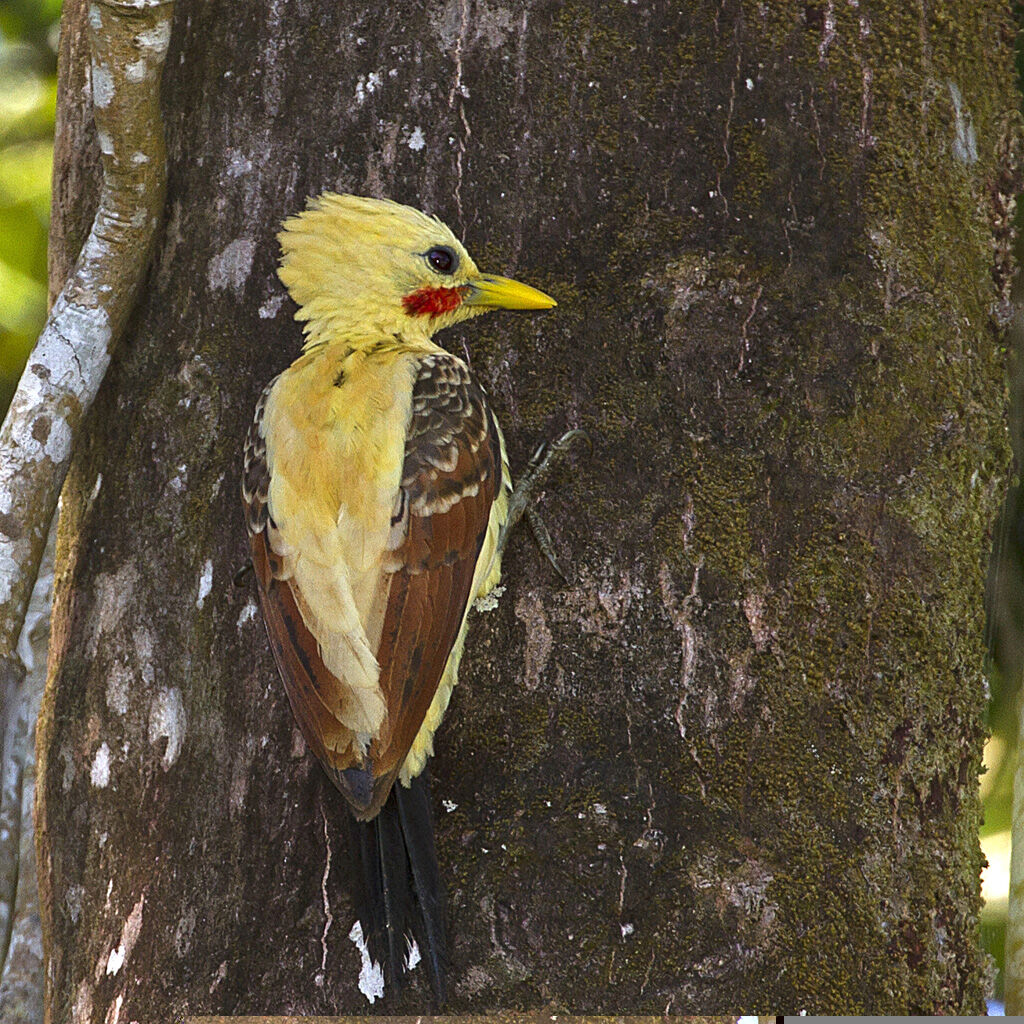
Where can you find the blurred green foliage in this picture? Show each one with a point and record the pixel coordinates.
(28, 93)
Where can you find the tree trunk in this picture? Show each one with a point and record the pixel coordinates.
(733, 762)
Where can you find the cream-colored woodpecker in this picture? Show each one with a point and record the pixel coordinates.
(375, 487)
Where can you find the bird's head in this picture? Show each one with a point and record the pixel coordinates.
(361, 268)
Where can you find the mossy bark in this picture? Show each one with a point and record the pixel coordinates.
(733, 763)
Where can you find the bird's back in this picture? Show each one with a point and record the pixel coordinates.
(335, 425)
(383, 469)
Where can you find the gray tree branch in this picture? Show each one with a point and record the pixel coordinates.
(128, 39)
(128, 42)
(21, 939)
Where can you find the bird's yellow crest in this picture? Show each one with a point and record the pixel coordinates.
(364, 268)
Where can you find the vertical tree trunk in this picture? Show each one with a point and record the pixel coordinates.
(733, 762)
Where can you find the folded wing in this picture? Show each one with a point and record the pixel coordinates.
(451, 474)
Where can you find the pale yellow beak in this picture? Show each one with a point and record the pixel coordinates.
(493, 292)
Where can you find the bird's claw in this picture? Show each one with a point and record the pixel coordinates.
(543, 539)
(544, 460)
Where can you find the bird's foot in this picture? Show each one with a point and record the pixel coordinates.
(545, 459)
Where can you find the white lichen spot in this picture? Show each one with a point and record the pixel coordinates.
(965, 143)
(136, 71)
(183, 932)
(167, 720)
(114, 595)
(231, 267)
(139, 158)
(750, 85)
(371, 976)
(414, 956)
(144, 645)
(118, 682)
(95, 17)
(99, 774)
(490, 601)
(105, 141)
(179, 481)
(626, 929)
(449, 805)
(156, 38)
(68, 775)
(417, 140)
(365, 86)
(247, 614)
(115, 961)
(238, 163)
(73, 901)
(269, 308)
(96, 488)
(129, 936)
(205, 583)
(102, 85)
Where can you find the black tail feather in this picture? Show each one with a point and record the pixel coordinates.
(397, 887)
(428, 925)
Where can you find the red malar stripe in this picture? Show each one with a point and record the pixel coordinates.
(432, 301)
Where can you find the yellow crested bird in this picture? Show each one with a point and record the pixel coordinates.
(377, 499)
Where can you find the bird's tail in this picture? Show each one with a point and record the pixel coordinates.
(397, 886)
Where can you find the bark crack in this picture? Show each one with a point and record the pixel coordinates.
(680, 614)
(328, 915)
(458, 90)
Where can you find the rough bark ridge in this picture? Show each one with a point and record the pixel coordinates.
(733, 763)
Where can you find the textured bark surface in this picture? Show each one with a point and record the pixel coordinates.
(733, 763)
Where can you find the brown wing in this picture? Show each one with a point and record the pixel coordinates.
(451, 475)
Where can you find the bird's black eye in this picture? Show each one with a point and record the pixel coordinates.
(442, 259)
